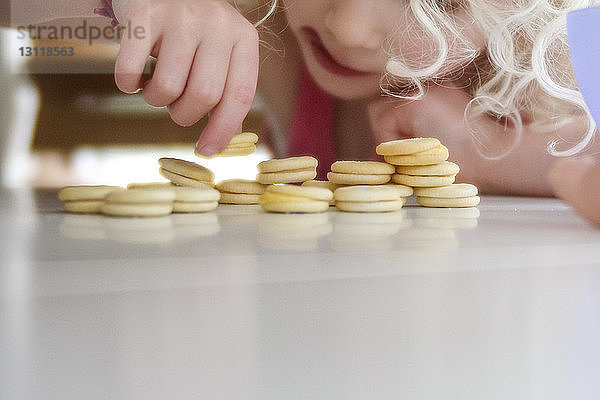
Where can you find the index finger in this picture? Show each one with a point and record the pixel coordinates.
(227, 117)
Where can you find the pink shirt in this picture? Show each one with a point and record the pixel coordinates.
(311, 132)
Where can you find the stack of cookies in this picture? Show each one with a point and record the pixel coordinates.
(455, 195)
(295, 199)
(416, 164)
(240, 191)
(421, 163)
(287, 170)
(195, 199)
(442, 174)
(362, 186)
(413, 151)
(360, 173)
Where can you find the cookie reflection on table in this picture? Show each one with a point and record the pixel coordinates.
(427, 237)
(194, 226)
(154, 230)
(294, 232)
(237, 215)
(82, 227)
(367, 231)
(452, 218)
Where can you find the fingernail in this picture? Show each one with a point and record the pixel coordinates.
(207, 150)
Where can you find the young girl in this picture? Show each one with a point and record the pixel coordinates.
(490, 78)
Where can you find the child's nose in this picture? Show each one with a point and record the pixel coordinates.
(354, 24)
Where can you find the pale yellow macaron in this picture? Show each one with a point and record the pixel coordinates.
(139, 202)
(287, 164)
(287, 170)
(363, 167)
(369, 198)
(357, 179)
(295, 199)
(444, 168)
(450, 191)
(423, 181)
(406, 146)
(87, 199)
(431, 156)
(86, 192)
(242, 144)
(295, 176)
(240, 191)
(185, 173)
(455, 195)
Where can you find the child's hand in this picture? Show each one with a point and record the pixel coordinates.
(577, 181)
(207, 63)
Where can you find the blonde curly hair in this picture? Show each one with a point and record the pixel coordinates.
(524, 68)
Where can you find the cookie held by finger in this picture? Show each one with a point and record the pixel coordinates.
(242, 144)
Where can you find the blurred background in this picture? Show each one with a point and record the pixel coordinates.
(63, 121)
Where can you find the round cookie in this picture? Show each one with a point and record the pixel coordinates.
(357, 179)
(141, 196)
(300, 206)
(196, 194)
(403, 191)
(239, 198)
(313, 193)
(374, 206)
(194, 207)
(86, 192)
(445, 168)
(287, 164)
(187, 169)
(241, 186)
(239, 145)
(471, 201)
(83, 206)
(291, 176)
(366, 193)
(406, 146)
(282, 200)
(181, 180)
(322, 184)
(363, 167)
(237, 151)
(243, 138)
(137, 210)
(450, 191)
(435, 155)
(423, 181)
(242, 144)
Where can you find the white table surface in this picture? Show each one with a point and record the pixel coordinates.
(238, 304)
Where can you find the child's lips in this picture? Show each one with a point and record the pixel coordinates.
(325, 58)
